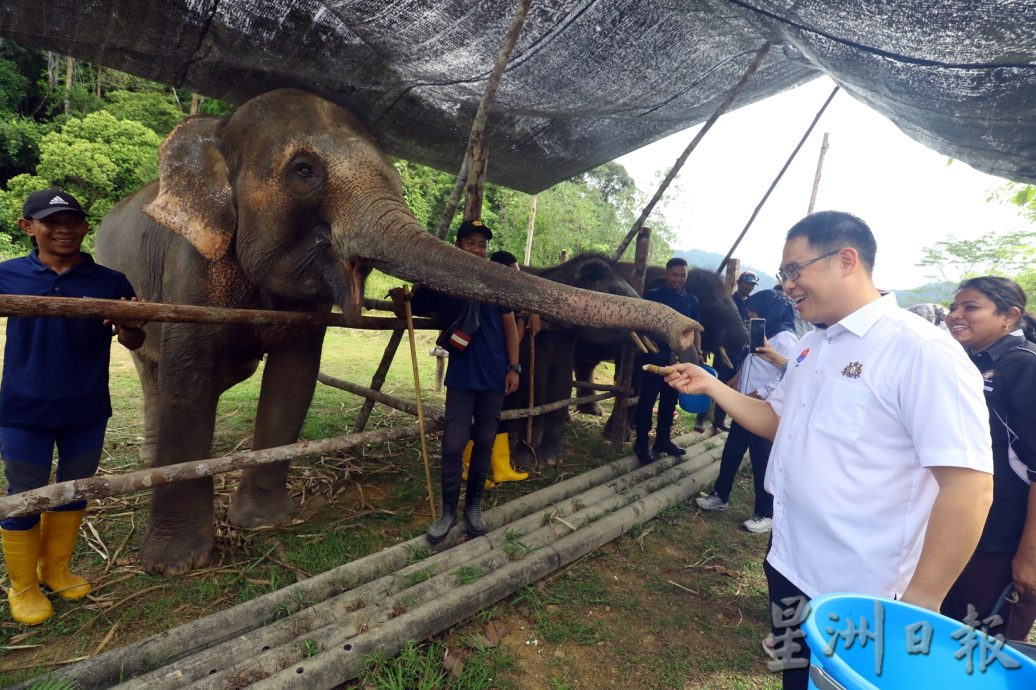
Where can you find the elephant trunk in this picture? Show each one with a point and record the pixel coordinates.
(398, 245)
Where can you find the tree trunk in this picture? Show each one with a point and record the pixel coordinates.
(69, 67)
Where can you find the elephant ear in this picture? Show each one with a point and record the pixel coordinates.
(194, 194)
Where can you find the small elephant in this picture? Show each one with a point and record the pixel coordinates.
(281, 205)
(555, 357)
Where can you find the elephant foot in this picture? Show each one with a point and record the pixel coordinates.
(594, 409)
(175, 552)
(147, 455)
(266, 509)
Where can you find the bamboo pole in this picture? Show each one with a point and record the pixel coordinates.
(586, 385)
(475, 187)
(93, 308)
(759, 206)
(420, 408)
(38, 500)
(816, 178)
(550, 407)
(722, 108)
(478, 125)
(373, 395)
(377, 381)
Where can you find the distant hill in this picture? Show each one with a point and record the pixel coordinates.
(941, 292)
(710, 260)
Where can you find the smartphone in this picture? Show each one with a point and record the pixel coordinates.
(756, 333)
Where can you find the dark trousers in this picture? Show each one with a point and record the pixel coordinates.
(980, 584)
(724, 374)
(462, 406)
(28, 454)
(784, 600)
(740, 439)
(653, 387)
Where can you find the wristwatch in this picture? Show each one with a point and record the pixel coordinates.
(515, 367)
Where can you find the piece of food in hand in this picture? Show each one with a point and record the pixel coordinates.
(661, 371)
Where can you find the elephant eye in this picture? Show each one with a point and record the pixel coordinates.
(304, 169)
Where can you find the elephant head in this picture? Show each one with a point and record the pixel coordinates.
(292, 189)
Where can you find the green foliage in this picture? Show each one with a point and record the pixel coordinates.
(13, 85)
(155, 111)
(19, 144)
(1008, 254)
(215, 107)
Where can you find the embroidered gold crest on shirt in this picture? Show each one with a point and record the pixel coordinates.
(852, 370)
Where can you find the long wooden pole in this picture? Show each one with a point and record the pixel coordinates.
(529, 231)
(37, 500)
(420, 407)
(726, 103)
(378, 380)
(759, 206)
(92, 308)
(816, 178)
(482, 115)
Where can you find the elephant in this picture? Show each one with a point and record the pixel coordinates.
(723, 327)
(283, 204)
(555, 348)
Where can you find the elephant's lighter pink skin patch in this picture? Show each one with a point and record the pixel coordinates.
(225, 284)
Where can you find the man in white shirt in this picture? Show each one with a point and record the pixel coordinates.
(881, 468)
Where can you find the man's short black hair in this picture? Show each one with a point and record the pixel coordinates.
(503, 257)
(831, 231)
(674, 262)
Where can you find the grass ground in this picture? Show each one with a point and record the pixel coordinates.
(678, 604)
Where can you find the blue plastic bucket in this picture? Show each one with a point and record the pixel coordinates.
(836, 665)
(697, 404)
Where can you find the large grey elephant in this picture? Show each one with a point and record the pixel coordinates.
(280, 205)
(555, 347)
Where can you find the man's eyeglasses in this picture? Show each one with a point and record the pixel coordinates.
(791, 271)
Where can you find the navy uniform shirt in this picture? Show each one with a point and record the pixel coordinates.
(56, 369)
(484, 365)
(679, 300)
(1009, 371)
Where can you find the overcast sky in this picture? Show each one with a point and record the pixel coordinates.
(909, 194)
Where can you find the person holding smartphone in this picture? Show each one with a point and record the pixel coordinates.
(772, 325)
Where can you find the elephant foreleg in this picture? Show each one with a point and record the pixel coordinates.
(289, 379)
(148, 373)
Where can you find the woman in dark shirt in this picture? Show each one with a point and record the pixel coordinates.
(988, 318)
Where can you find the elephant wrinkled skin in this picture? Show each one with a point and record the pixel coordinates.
(281, 205)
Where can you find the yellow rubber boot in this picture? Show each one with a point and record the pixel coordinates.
(501, 461)
(21, 553)
(58, 534)
(466, 459)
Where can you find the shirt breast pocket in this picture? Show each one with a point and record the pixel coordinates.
(840, 410)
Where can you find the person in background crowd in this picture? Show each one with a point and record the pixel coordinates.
(54, 393)
(881, 468)
(757, 379)
(746, 283)
(935, 314)
(652, 387)
(989, 319)
(477, 379)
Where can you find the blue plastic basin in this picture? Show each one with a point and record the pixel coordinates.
(697, 404)
(854, 668)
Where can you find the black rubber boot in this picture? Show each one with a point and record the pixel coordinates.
(669, 448)
(476, 524)
(450, 497)
(640, 449)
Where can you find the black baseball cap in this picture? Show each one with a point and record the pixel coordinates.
(748, 277)
(471, 226)
(48, 202)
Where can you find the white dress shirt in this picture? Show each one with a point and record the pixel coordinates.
(866, 406)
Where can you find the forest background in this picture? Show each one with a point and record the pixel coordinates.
(95, 132)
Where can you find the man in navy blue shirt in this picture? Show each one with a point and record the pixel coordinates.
(477, 380)
(653, 386)
(54, 392)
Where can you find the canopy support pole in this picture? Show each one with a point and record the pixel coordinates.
(759, 206)
(763, 50)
